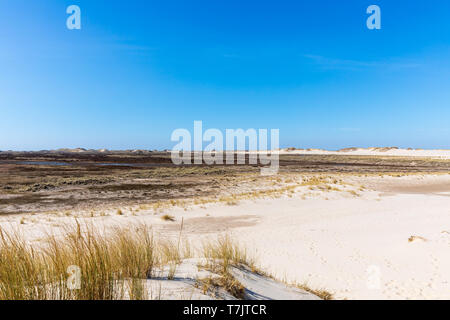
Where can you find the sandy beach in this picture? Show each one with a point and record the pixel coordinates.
(356, 235)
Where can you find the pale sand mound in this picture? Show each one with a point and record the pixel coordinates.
(387, 151)
(186, 285)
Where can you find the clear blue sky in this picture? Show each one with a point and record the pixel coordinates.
(137, 70)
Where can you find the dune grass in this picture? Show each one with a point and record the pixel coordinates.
(223, 253)
(112, 264)
(109, 263)
(321, 293)
(220, 255)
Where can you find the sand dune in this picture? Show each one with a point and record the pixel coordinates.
(382, 151)
(388, 240)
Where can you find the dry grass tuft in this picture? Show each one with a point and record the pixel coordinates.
(226, 282)
(416, 238)
(220, 255)
(167, 217)
(113, 264)
(223, 253)
(322, 294)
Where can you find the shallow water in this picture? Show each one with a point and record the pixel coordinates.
(44, 163)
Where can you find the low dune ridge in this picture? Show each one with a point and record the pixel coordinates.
(373, 151)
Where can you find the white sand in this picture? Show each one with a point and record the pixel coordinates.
(357, 248)
(339, 245)
(354, 247)
(184, 286)
(442, 154)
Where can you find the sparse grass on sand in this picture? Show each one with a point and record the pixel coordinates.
(114, 263)
(29, 272)
(321, 293)
(220, 255)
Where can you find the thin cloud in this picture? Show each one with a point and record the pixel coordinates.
(346, 64)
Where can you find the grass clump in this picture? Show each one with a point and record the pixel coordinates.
(321, 293)
(112, 264)
(167, 217)
(226, 282)
(220, 255)
(223, 253)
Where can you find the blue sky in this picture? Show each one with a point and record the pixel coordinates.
(137, 70)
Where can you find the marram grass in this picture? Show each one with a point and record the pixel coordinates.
(113, 264)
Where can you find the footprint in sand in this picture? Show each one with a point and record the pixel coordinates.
(444, 237)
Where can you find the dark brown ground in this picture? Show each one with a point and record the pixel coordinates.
(49, 180)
